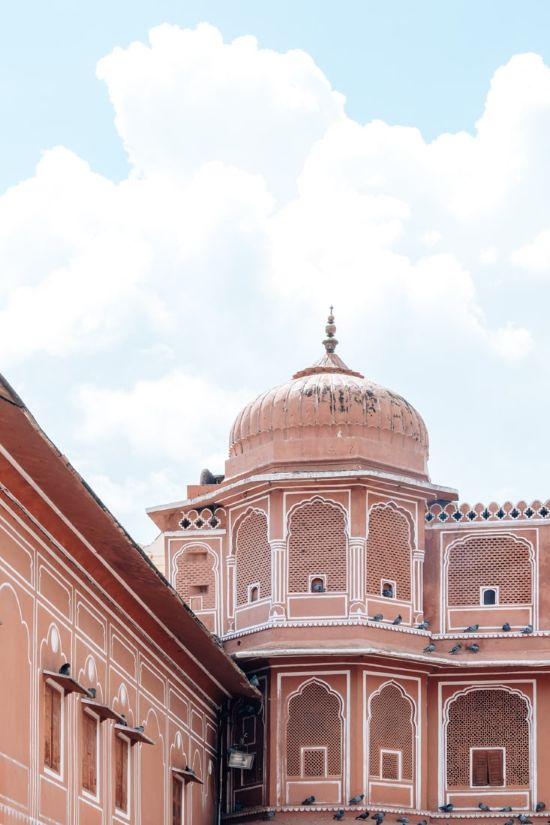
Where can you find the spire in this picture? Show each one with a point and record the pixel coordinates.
(329, 362)
(330, 341)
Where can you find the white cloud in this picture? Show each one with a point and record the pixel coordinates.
(534, 256)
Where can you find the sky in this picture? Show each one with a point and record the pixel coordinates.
(185, 187)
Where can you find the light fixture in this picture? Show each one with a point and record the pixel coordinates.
(240, 759)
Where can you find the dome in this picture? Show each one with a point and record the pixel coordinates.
(329, 415)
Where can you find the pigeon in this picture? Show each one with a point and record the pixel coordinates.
(364, 815)
(139, 728)
(92, 692)
(339, 815)
(483, 807)
(509, 821)
(268, 816)
(318, 587)
(377, 617)
(123, 720)
(398, 619)
(423, 822)
(525, 820)
(472, 628)
(506, 809)
(456, 649)
(387, 592)
(403, 820)
(540, 806)
(355, 800)
(528, 629)
(429, 648)
(379, 817)
(473, 648)
(65, 670)
(309, 800)
(446, 808)
(506, 627)
(423, 625)
(254, 681)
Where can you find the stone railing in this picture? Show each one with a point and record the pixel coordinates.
(464, 513)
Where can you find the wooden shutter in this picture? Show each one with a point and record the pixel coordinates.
(177, 794)
(495, 767)
(89, 753)
(56, 730)
(121, 774)
(480, 774)
(48, 690)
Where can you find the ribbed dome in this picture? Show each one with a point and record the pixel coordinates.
(326, 415)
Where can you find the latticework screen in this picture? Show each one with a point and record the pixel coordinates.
(195, 578)
(314, 721)
(488, 719)
(314, 762)
(389, 550)
(253, 555)
(391, 726)
(317, 545)
(390, 766)
(487, 561)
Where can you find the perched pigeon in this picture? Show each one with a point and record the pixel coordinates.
(377, 617)
(355, 800)
(509, 821)
(483, 806)
(403, 820)
(473, 648)
(528, 629)
(506, 809)
(92, 692)
(318, 587)
(139, 728)
(525, 820)
(379, 816)
(123, 720)
(254, 681)
(398, 619)
(472, 628)
(423, 822)
(309, 800)
(446, 808)
(429, 648)
(506, 627)
(65, 670)
(456, 649)
(540, 806)
(423, 625)
(364, 815)
(387, 592)
(339, 815)
(269, 815)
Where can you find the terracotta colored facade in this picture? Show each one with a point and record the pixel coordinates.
(75, 589)
(317, 559)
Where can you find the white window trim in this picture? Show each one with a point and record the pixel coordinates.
(312, 576)
(47, 770)
(85, 791)
(482, 590)
(472, 766)
(399, 763)
(324, 751)
(393, 584)
(249, 592)
(182, 783)
(120, 811)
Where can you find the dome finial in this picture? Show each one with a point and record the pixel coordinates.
(330, 341)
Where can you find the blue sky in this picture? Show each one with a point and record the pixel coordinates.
(179, 204)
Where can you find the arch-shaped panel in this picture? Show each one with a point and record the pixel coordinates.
(391, 733)
(195, 573)
(253, 556)
(502, 561)
(16, 681)
(317, 545)
(488, 717)
(314, 732)
(390, 542)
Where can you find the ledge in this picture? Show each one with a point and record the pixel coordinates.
(103, 711)
(67, 683)
(187, 775)
(133, 735)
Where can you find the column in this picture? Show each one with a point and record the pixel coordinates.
(278, 579)
(356, 568)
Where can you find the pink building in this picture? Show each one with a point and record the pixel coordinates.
(401, 639)
(129, 733)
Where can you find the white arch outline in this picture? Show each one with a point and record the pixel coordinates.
(396, 508)
(215, 569)
(445, 723)
(242, 517)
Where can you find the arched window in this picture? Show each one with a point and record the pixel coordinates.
(253, 556)
(317, 544)
(389, 552)
(486, 721)
(502, 561)
(391, 735)
(196, 578)
(314, 733)
(489, 595)
(317, 584)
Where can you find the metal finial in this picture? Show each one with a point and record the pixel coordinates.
(330, 341)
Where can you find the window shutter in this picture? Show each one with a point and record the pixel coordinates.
(48, 725)
(479, 768)
(89, 756)
(121, 774)
(495, 767)
(177, 793)
(56, 731)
